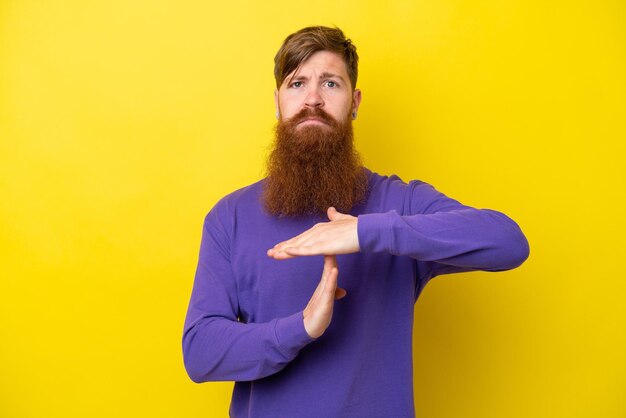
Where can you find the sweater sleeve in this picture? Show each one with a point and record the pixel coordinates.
(216, 345)
(449, 236)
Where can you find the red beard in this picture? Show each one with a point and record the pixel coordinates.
(313, 167)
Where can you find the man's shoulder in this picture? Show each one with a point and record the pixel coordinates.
(393, 182)
(247, 199)
(392, 192)
(251, 192)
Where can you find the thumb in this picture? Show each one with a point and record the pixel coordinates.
(340, 293)
(334, 215)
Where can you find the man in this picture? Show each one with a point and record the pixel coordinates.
(259, 313)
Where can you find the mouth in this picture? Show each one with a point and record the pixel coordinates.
(312, 121)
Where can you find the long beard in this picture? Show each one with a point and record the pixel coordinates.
(313, 167)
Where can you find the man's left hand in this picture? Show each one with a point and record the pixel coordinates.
(339, 236)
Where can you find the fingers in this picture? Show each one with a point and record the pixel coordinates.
(330, 262)
(335, 237)
(279, 254)
(292, 252)
(331, 212)
(319, 311)
(316, 292)
(335, 215)
(330, 287)
(330, 274)
(323, 238)
(278, 251)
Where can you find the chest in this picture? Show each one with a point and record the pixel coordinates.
(269, 288)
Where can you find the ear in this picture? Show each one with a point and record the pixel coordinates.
(276, 104)
(356, 100)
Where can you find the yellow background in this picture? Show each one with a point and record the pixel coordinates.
(123, 122)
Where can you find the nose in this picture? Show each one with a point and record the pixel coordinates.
(313, 98)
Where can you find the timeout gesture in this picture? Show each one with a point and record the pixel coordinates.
(339, 236)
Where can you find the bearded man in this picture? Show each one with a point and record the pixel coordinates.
(266, 310)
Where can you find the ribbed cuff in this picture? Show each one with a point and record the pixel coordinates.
(375, 232)
(291, 335)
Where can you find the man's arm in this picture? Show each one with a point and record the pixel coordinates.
(216, 346)
(452, 236)
(458, 240)
(339, 236)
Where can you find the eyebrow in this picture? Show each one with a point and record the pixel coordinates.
(324, 75)
(331, 75)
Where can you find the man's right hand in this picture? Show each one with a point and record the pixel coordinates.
(319, 311)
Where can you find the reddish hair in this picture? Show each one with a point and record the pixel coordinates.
(299, 46)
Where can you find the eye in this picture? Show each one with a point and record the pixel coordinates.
(296, 84)
(331, 84)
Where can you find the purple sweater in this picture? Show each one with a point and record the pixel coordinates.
(245, 324)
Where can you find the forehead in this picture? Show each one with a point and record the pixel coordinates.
(322, 62)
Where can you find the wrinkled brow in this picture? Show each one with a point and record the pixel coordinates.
(325, 74)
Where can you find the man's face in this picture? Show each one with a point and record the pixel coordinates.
(322, 83)
(314, 164)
